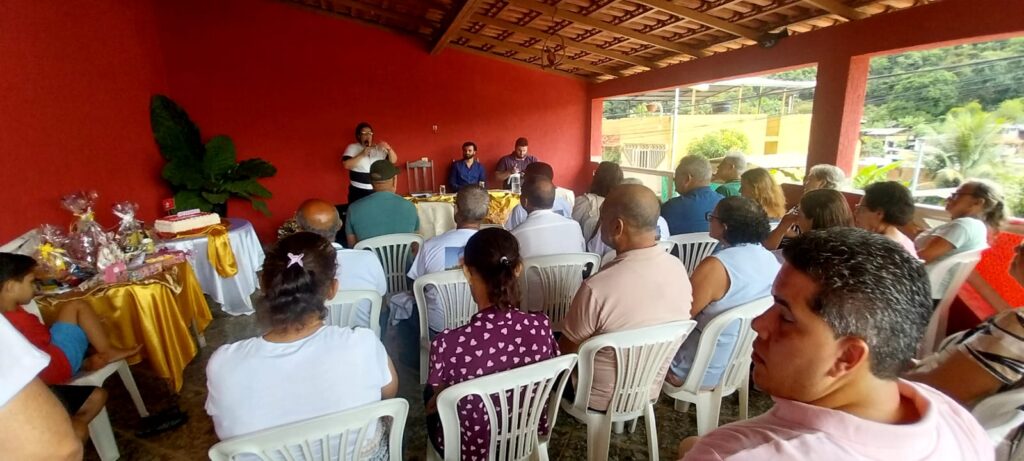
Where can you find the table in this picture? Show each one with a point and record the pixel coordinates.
(156, 312)
(437, 212)
(234, 294)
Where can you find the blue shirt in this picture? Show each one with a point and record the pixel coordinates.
(686, 213)
(461, 174)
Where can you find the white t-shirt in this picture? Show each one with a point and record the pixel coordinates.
(441, 253)
(20, 361)
(518, 214)
(544, 232)
(255, 384)
(363, 166)
(965, 234)
(360, 270)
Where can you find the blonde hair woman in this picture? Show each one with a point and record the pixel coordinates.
(758, 185)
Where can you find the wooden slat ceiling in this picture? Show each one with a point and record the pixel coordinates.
(603, 39)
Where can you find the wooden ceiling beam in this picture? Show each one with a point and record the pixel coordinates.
(534, 33)
(838, 9)
(330, 11)
(454, 25)
(522, 49)
(702, 18)
(551, 70)
(612, 28)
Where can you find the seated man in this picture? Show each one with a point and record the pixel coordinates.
(727, 176)
(850, 309)
(468, 170)
(544, 232)
(982, 369)
(561, 206)
(383, 212)
(686, 213)
(357, 269)
(444, 252)
(515, 162)
(642, 286)
(596, 244)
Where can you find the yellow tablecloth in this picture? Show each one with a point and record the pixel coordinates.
(502, 203)
(156, 312)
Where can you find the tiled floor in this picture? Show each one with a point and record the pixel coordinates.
(191, 441)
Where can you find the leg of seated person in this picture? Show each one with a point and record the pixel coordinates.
(81, 314)
(85, 414)
(687, 444)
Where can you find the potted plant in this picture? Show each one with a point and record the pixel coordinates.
(202, 175)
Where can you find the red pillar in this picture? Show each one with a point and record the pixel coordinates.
(838, 107)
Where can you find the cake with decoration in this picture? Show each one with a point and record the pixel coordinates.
(186, 221)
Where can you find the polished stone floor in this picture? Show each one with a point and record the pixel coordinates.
(191, 441)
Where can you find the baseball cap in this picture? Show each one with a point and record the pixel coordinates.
(382, 170)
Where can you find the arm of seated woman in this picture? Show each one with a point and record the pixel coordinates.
(959, 377)
(390, 390)
(935, 249)
(710, 282)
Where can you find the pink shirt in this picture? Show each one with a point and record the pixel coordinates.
(796, 431)
(902, 239)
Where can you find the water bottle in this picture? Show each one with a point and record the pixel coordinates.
(515, 183)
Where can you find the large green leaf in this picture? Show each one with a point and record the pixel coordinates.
(215, 197)
(175, 134)
(190, 199)
(261, 206)
(183, 174)
(247, 188)
(254, 168)
(219, 158)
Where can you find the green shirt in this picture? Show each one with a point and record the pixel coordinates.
(381, 213)
(729, 189)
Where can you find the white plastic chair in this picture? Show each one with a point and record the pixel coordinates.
(693, 248)
(735, 377)
(549, 282)
(641, 355)
(514, 434)
(455, 298)
(289, 440)
(102, 436)
(946, 276)
(395, 252)
(343, 308)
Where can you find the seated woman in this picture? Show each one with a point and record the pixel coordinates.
(819, 209)
(884, 208)
(742, 272)
(300, 368)
(821, 176)
(975, 205)
(758, 185)
(984, 362)
(493, 341)
(587, 209)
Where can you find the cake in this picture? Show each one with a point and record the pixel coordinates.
(186, 221)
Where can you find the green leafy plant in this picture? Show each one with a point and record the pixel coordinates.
(202, 175)
(719, 143)
(873, 173)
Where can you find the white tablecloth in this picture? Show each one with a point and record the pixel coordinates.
(436, 218)
(233, 293)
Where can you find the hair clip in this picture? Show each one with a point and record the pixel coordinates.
(504, 260)
(295, 259)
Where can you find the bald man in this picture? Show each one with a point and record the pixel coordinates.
(545, 232)
(643, 286)
(357, 269)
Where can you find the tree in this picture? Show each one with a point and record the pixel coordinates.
(719, 143)
(967, 140)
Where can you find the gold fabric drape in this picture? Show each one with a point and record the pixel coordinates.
(219, 252)
(502, 203)
(157, 312)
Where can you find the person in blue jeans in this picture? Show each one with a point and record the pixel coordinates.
(686, 213)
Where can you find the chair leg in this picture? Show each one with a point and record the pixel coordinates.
(133, 390)
(424, 358)
(652, 432)
(744, 392)
(681, 406)
(102, 436)
(708, 407)
(540, 453)
(599, 433)
(200, 337)
(619, 427)
(632, 425)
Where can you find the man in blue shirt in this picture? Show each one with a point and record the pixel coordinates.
(468, 170)
(687, 212)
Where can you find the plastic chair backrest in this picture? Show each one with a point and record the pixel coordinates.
(395, 252)
(453, 295)
(739, 361)
(640, 356)
(343, 308)
(693, 248)
(302, 438)
(525, 390)
(946, 276)
(551, 282)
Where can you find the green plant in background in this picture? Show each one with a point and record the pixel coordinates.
(611, 154)
(201, 175)
(719, 143)
(967, 141)
(873, 173)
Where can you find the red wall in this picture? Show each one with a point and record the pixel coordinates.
(75, 81)
(289, 85)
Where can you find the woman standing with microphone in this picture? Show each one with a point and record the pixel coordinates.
(359, 156)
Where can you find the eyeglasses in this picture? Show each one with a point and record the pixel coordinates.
(364, 133)
(956, 195)
(709, 216)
